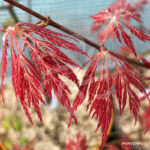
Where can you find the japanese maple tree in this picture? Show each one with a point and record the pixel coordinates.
(33, 79)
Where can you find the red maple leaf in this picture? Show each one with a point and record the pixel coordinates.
(49, 62)
(114, 18)
(79, 144)
(102, 90)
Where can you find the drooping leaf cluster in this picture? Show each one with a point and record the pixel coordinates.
(48, 62)
(102, 89)
(115, 18)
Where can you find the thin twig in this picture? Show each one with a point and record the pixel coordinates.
(9, 7)
(12, 13)
(54, 24)
(66, 30)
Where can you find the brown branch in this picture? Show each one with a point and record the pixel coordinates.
(54, 24)
(64, 29)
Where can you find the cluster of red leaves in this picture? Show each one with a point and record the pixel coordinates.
(125, 51)
(102, 90)
(29, 80)
(79, 144)
(114, 18)
(121, 81)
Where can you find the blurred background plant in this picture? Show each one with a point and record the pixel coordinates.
(13, 122)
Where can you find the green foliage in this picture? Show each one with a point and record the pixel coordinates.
(24, 141)
(7, 122)
(11, 121)
(8, 143)
(17, 123)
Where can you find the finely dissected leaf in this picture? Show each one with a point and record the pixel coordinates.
(4, 63)
(30, 80)
(146, 62)
(137, 32)
(116, 31)
(88, 77)
(102, 90)
(79, 144)
(111, 21)
(119, 92)
(127, 39)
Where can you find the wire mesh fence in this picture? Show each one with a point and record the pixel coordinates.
(69, 13)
